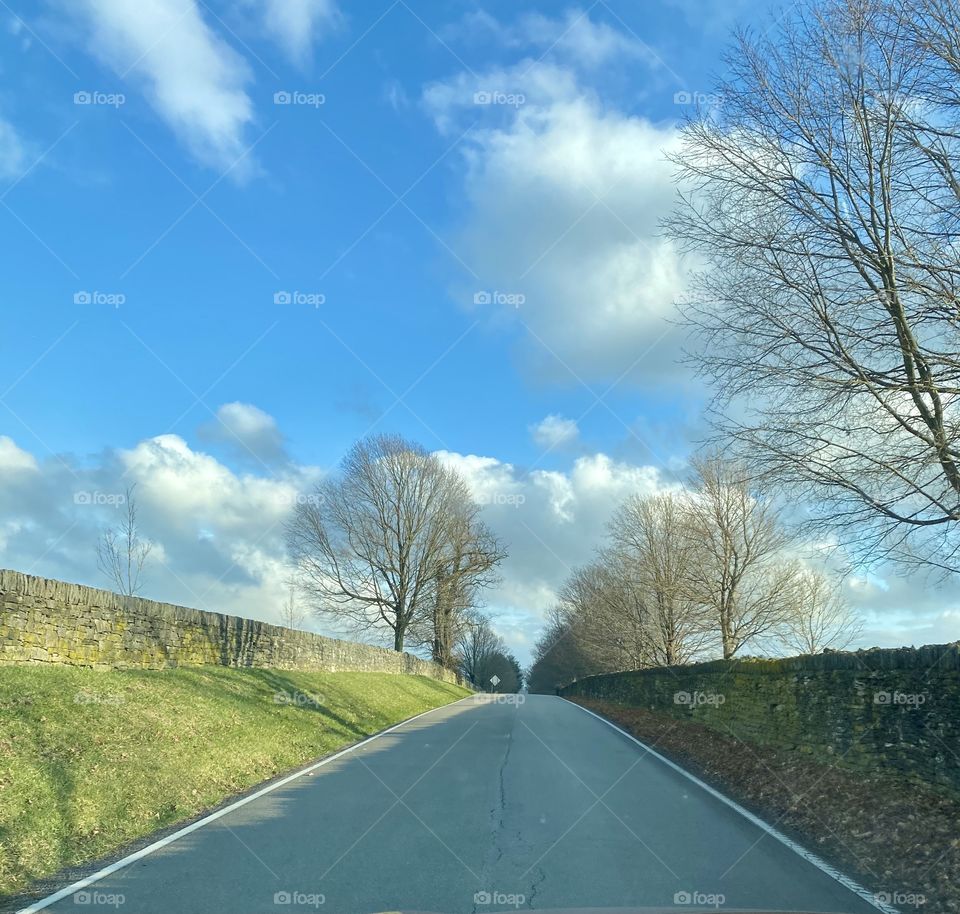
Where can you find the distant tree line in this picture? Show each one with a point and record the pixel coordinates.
(484, 660)
(688, 574)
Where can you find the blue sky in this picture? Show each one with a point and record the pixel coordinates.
(240, 236)
(308, 203)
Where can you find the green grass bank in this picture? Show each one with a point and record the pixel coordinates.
(92, 760)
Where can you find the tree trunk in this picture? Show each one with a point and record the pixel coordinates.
(729, 648)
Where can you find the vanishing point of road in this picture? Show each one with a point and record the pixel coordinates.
(485, 805)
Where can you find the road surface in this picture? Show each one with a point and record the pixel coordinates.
(480, 806)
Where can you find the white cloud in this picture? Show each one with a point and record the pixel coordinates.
(297, 24)
(218, 533)
(574, 36)
(554, 431)
(13, 459)
(197, 491)
(12, 151)
(551, 522)
(248, 431)
(565, 195)
(193, 78)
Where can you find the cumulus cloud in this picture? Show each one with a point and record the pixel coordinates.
(192, 77)
(249, 432)
(554, 431)
(218, 539)
(565, 194)
(551, 522)
(296, 24)
(217, 534)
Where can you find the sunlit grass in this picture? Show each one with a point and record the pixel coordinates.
(90, 760)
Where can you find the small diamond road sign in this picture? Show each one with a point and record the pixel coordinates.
(495, 679)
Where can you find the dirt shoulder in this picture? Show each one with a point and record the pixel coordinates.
(898, 838)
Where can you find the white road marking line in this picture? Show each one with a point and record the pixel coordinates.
(206, 820)
(820, 864)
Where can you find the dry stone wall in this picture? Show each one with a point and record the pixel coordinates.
(875, 710)
(48, 621)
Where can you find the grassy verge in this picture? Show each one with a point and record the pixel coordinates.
(897, 837)
(92, 760)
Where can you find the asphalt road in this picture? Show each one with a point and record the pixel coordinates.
(479, 806)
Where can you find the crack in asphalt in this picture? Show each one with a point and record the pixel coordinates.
(496, 852)
(506, 843)
(535, 885)
(503, 766)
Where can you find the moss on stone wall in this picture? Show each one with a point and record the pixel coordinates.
(867, 710)
(47, 621)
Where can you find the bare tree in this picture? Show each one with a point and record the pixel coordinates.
(605, 611)
(370, 548)
(476, 644)
(466, 565)
(121, 553)
(682, 574)
(652, 543)
(291, 614)
(738, 571)
(822, 198)
(819, 617)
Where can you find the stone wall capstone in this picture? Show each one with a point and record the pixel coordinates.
(48, 621)
(878, 710)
